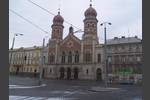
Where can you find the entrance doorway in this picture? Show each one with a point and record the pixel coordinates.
(76, 73)
(62, 70)
(99, 74)
(68, 73)
(43, 73)
(17, 70)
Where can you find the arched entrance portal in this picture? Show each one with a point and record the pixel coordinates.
(76, 73)
(68, 73)
(99, 74)
(62, 70)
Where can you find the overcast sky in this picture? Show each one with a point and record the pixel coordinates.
(125, 16)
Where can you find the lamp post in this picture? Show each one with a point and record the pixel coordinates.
(109, 69)
(105, 51)
(16, 34)
(41, 62)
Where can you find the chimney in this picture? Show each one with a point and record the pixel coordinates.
(123, 37)
(115, 38)
(136, 37)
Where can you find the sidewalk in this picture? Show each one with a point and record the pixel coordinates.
(25, 81)
(90, 84)
(103, 89)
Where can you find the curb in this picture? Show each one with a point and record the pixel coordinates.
(101, 89)
(24, 87)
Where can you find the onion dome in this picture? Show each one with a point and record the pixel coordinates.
(58, 18)
(90, 11)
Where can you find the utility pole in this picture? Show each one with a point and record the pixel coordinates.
(41, 63)
(16, 34)
(105, 53)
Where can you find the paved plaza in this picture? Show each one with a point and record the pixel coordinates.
(24, 88)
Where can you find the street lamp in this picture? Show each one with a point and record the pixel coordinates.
(42, 61)
(109, 69)
(105, 51)
(15, 34)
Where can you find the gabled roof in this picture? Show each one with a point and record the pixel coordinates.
(71, 36)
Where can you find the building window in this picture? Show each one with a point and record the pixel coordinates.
(138, 48)
(76, 57)
(88, 57)
(130, 49)
(27, 69)
(52, 57)
(70, 57)
(50, 71)
(138, 59)
(130, 58)
(123, 59)
(63, 57)
(30, 69)
(123, 48)
(57, 31)
(99, 58)
(116, 59)
(92, 25)
(87, 71)
(28, 60)
(44, 59)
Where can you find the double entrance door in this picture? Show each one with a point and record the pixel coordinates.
(69, 73)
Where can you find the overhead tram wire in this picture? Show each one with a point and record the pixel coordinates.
(52, 13)
(28, 21)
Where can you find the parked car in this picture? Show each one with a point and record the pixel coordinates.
(126, 82)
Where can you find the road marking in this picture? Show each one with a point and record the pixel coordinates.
(17, 97)
(21, 87)
(38, 98)
(13, 85)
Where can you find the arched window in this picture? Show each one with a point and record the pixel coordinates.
(76, 57)
(52, 58)
(98, 58)
(63, 57)
(58, 31)
(50, 71)
(54, 30)
(87, 71)
(88, 57)
(70, 57)
(25, 58)
(92, 25)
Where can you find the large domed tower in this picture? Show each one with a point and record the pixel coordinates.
(57, 27)
(90, 24)
(89, 37)
(56, 38)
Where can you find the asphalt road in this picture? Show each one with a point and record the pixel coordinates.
(21, 88)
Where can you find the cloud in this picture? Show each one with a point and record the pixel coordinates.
(123, 14)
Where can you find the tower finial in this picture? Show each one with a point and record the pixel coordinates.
(90, 3)
(58, 11)
(59, 7)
